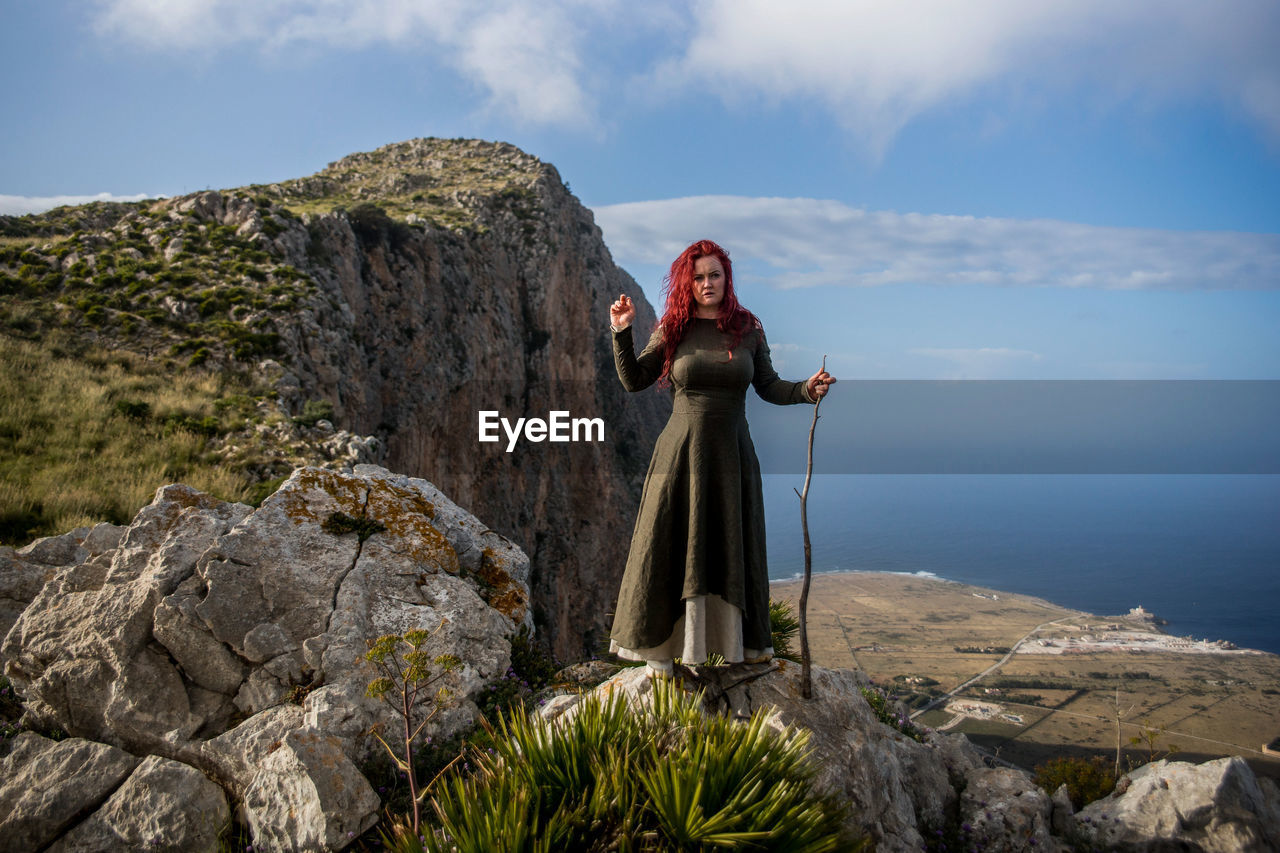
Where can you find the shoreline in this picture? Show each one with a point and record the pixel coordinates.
(1050, 677)
(1154, 624)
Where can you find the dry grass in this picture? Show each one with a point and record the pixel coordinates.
(71, 457)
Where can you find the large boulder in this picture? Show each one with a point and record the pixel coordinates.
(164, 805)
(232, 640)
(45, 787)
(25, 571)
(1216, 807)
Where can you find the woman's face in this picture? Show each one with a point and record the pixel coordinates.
(708, 285)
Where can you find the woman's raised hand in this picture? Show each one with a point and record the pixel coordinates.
(622, 312)
(819, 383)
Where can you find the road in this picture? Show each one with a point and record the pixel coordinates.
(946, 697)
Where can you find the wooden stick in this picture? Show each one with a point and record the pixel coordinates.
(806, 681)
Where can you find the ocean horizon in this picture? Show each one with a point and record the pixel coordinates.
(1201, 551)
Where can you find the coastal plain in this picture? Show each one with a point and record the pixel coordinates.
(1030, 680)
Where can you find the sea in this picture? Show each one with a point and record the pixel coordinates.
(1201, 551)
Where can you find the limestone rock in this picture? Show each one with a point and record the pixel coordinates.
(82, 654)
(899, 790)
(307, 795)
(1006, 811)
(45, 786)
(24, 572)
(153, 638)
(206, 610)
(1215, 807)
(164, 805)
(234, 755)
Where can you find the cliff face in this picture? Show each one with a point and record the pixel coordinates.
(491, 293)
(397, 293)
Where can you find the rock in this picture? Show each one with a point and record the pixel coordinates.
(153, 638)
(585, 674)
(1216, 806)
(24, 572)
(1006, 811)
(307, 795)
(898, 789)
(164, 805)
(207, 609)
(61, 550)
(82, 653)
(172, 250)
(45, 786)
(20, 582)
(234, 755)
(1063, 811)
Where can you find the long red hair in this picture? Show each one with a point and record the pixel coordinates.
(681, 307)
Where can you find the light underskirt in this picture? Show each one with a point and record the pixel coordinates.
(710, 625)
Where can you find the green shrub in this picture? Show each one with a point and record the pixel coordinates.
(263, 489)
(609, 778)
(314, 411)
(784, 625)
(1087, 779)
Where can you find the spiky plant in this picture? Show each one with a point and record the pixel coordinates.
(614, 778)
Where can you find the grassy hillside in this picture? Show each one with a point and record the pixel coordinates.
(132, 334)
(129, 339)
(88, 436)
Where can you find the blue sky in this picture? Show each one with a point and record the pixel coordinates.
(1000, 189)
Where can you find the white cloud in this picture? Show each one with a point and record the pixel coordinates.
(525, 54)
(800, 242)
(17, 205)
(874, 66)
(877, 65)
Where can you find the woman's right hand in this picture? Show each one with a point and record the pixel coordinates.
(622, 312)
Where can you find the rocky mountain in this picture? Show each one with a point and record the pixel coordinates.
(395, 295)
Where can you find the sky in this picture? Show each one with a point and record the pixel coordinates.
(995, 189)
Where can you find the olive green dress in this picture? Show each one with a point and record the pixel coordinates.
(700, 527)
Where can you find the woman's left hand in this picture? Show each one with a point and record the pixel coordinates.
(819, 383)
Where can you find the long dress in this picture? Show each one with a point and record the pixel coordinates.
(697, 580)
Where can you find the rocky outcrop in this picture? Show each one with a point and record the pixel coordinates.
(224, 645)
(1216, 807)
(908, 795)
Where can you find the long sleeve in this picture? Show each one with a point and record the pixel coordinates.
(637, 372)
(769, 386)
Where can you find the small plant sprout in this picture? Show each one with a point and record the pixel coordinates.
(407, 674)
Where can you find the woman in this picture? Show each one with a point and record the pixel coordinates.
(696, 581)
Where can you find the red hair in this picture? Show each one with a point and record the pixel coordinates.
(681, 307)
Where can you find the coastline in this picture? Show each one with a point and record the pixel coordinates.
(1033, 679)
(1153, 622)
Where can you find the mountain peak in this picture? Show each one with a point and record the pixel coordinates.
(437, 180)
